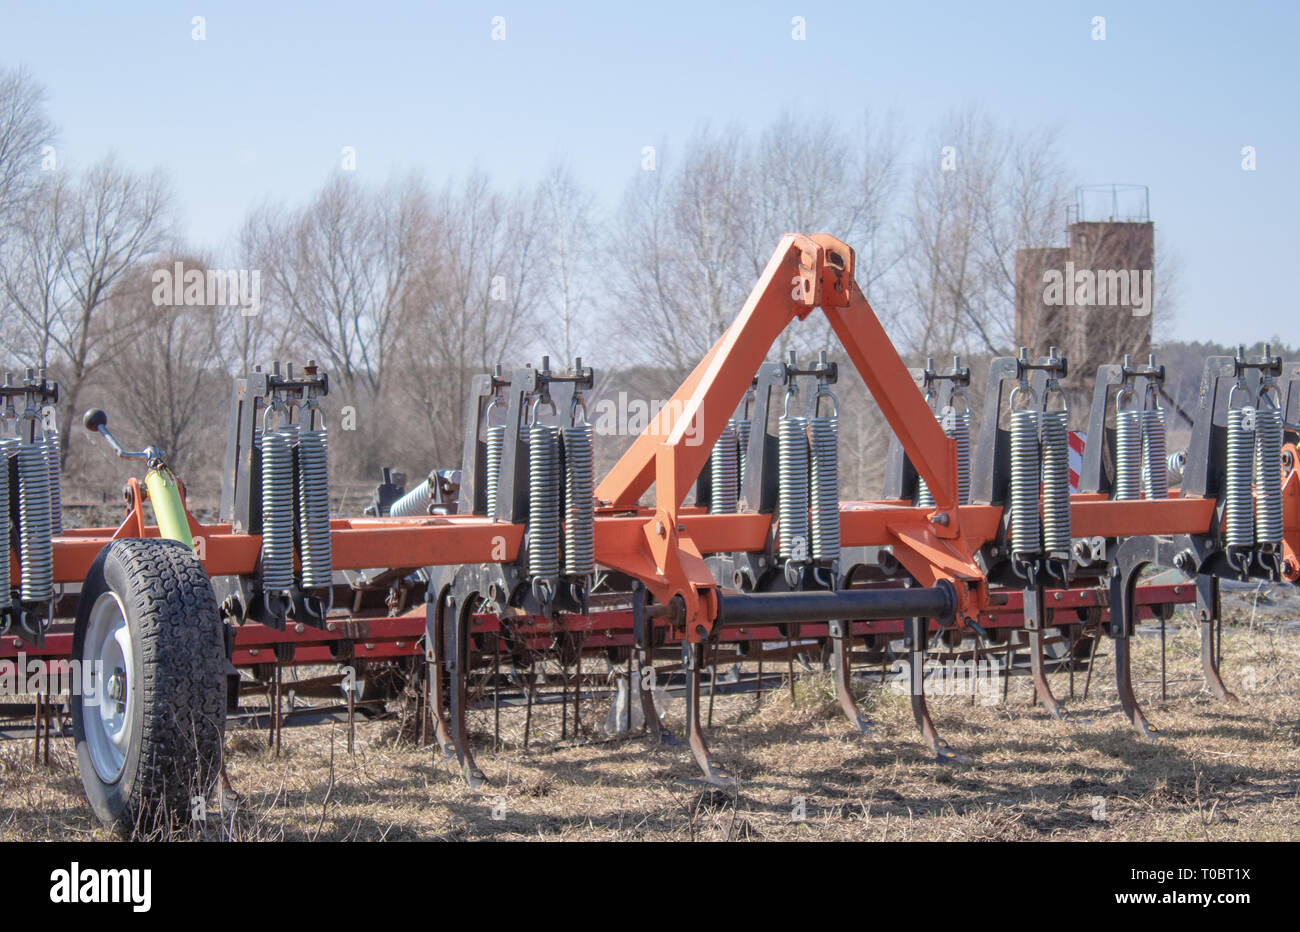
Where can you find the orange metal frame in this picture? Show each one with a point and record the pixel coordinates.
(664, 544)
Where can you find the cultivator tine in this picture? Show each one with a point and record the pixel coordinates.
(440, 683)
(789, 663)
(528, 711)
(1124, 683)
(1210, 619)
(496, 695)
(459, 655)
(1164, 679)
(1134, 555)
(643, 656)
(422, 701)
(713, 685)
(842, 666)
(1033, 612)
(916, 629)
(352, 719)
(279, 704)
(692, 662)
(1092, 659)
(36, 731)
(577, 698)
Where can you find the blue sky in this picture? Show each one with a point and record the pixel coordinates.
(262, 107)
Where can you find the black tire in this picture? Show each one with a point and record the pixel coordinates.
(176, 686)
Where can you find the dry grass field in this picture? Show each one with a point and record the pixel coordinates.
(1224, 771)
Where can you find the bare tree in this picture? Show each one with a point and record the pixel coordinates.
(980, 192)
(699, 231)
(679, 234)
(33, 284)
(339, 267)
(566, 211)
(338, 276)
(24, 130)
(168, 383)
(80, 240)
(475, 305)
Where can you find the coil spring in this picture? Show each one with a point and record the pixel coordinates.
(1268, 475)
(742, 448)
(1155, 458)
(36, 551)
(792, 486)
(543, 501)
(1128, 455)
(923, 497)
(1056, 481)
(579, 512)
(724, 475)
(8, 448)
(277, 510)
(1238, 503)
(314, 508)
(957, 426)
(414, 502)
(496, 444)
(1025, 474)
(56, 491)
(825, 487)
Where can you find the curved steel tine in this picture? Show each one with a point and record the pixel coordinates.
(1207, 605)
(1034, 614)
(1122, 614)
(692, 661)
(841, 664)
(943, 752)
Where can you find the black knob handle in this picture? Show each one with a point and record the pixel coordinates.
(94, 419)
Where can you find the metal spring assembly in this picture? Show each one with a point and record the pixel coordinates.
(579, 510)
(277, 503)
(724, 472)
(823, 431)
(414, 502)
(742, 438)
(924, 498)
(543, 499)
(8, 448)
(792, 485)
(1055, 435)
(495, 437)
(314, 499)
(36, 552)
(1268, 471)
(1155, 458)
(1025, 475)
(1238, 502)
(1128, 447)
(956, 425)
(496, 443)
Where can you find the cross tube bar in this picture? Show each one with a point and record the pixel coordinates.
(749, 608)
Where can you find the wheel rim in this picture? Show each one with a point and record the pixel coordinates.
(108, 712)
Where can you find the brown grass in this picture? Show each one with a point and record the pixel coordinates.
(1224, 772)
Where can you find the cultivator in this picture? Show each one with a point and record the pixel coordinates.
(978, 552)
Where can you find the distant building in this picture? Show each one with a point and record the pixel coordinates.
(1094, 297)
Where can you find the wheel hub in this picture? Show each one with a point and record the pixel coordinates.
(116, 689)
